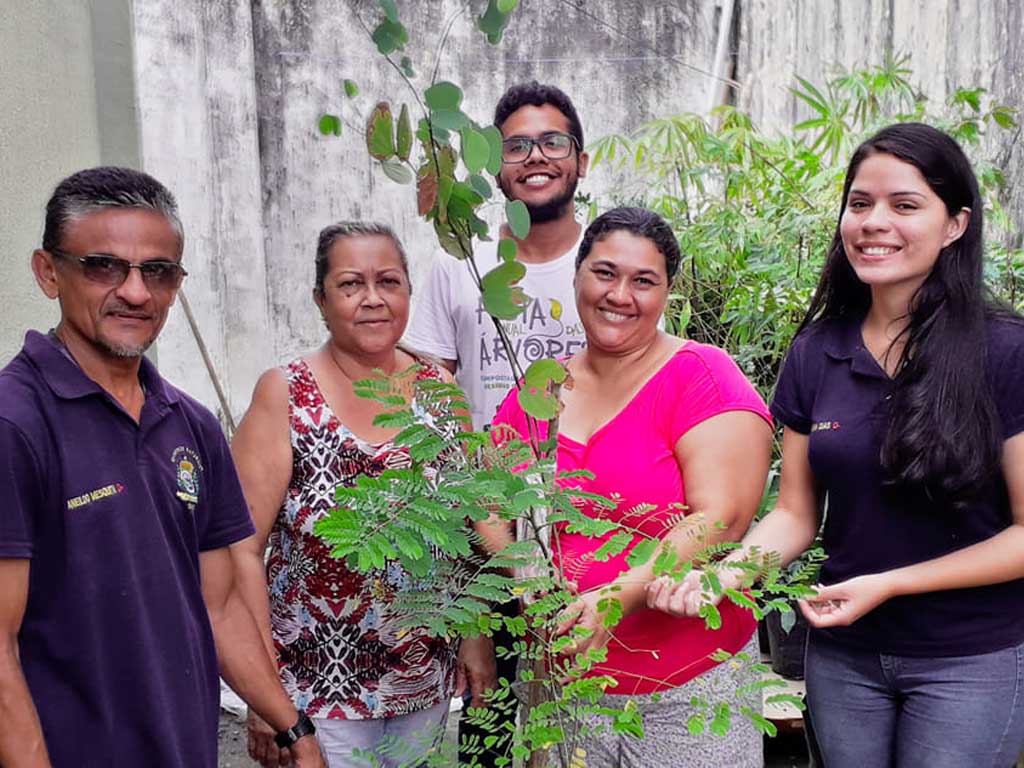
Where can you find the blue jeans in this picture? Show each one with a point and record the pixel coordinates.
(876, 710)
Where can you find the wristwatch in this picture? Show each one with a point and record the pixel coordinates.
(303, 727)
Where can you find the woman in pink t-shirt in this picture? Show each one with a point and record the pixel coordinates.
(661, 423)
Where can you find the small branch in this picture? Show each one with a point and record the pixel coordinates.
(208, 362)
(441, 44)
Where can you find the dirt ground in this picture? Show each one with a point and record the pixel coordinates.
(784, 751)
(232, 751)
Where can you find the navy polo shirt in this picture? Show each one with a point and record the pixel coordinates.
(116, 643)
(832, 389)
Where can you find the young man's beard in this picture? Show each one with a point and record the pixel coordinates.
(553, 209)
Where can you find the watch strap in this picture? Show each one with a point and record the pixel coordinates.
(303, 727)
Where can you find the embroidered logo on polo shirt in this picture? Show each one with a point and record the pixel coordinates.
(100, 493)
(187, 468)
(819, 426)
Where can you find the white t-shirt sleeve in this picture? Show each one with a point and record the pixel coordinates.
(432, 329)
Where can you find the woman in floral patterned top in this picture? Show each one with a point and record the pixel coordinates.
(343, 655)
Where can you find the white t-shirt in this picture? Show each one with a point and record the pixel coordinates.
(450, 323)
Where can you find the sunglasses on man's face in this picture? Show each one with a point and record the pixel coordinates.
(109, 270)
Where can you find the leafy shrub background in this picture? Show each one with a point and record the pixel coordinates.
(755, 213)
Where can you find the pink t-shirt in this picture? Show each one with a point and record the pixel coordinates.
(632, 457)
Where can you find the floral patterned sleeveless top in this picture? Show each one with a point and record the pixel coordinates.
(342, 652)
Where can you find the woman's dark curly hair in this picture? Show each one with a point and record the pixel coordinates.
(636, 221)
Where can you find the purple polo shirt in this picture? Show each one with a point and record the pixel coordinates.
(833, 389)
(115, 644)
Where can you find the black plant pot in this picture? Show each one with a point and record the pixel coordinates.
(787, 648)
(762, 638)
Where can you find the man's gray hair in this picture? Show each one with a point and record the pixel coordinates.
(332, 233)
(103, 188)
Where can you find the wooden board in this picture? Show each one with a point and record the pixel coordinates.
(783, 714)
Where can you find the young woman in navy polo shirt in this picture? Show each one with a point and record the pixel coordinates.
(902, 399)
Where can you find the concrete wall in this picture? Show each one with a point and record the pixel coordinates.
(66, 98)
(198, 126)
(220, 101)
(229, 97)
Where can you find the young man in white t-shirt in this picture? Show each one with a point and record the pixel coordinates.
(543, 163)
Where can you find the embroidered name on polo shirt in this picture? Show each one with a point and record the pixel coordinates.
(187, 468)
(821, 425)
(100, 493)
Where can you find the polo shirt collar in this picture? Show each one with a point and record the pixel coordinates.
(844, 341)
(63, 376)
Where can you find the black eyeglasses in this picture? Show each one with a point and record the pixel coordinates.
(109, 270)
(554, 146)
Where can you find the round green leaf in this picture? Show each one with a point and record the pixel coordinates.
(500, 298)
(330, 125)
(493, 22)
(542, 373)
(493, 136)
(404, 138)
(444, 194)
(507, 249)
(475, 150)
(507, 6)
(452, 243)
(479, 227)
(390, 36)
(426, 131)
(388, 6)
(535, 396)
(449, 120)
(446, 162)
(465, 192)
(406, 67)
(540, 405)
(396, 170)
(518, 217)
(480, 185)
(380, 132)
(459, 209)
(443, 96)
(351, 89)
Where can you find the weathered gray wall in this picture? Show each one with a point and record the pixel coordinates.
(229, 100)
(220, 101)
(195, 80)
(55, 57)
(305, 49)
(952, 44)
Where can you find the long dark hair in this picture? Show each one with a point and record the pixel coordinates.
(943, 436)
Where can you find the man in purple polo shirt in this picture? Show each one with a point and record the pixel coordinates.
(120, 504)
